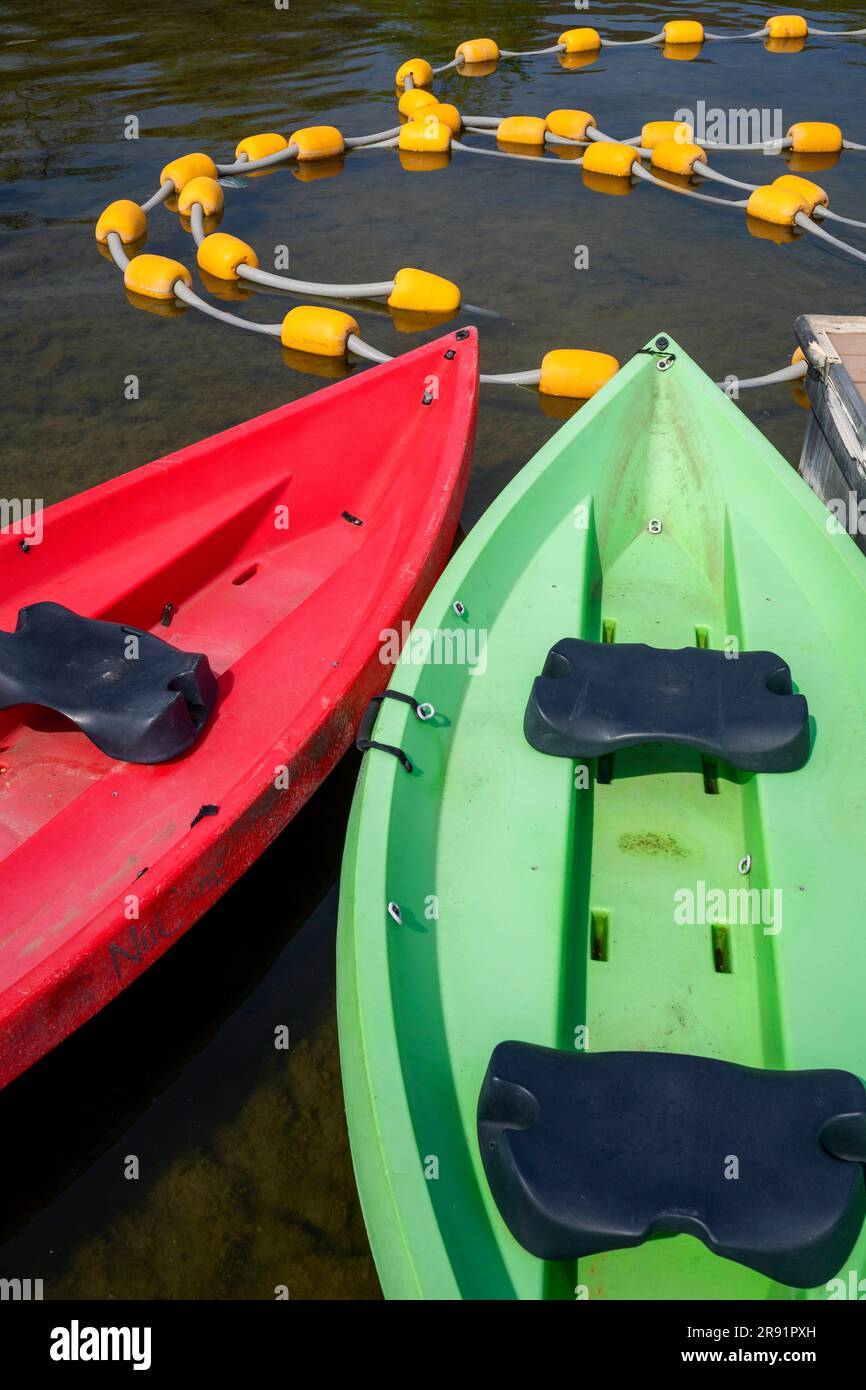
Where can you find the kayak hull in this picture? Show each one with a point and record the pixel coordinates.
(538, 900)
(285, 547)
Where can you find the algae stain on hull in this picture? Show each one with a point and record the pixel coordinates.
(650, 844)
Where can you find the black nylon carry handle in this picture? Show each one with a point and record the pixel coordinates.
(364, 742)
(371, 714)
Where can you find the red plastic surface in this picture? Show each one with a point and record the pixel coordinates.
(291, 621)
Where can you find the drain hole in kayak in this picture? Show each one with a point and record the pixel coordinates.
(245, 574)
(711, 776)
(702, 637)
(604, 774)
(722, 950)
(599, 934)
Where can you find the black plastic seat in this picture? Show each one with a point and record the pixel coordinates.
(589, 1152)
(594, 698)
(136, 697)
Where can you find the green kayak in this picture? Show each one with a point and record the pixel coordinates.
(602, 1017)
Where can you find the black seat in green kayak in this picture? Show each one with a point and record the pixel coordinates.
(594, 698)
(589, 1152)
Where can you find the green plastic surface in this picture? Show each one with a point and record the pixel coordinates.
(538, 909)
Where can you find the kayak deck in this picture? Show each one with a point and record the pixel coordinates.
(556, 904)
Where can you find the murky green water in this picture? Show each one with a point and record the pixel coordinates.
(245, 1179)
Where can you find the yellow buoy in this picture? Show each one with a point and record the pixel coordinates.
(677, 158)
(418, 69)
(423, 292)
(816, 137)
(220, 254)
(522, 130)
(188, 166)
(312, 328)
(653, 132)
(412, 101)
(155, 276)
(204, 191)
(814, 194)
(678, 31)
(124, 217)
(478, 51)
(318, 142)
(609, 157)
(575, 372)
(448, 114)
(787, 26)
(570, 125)
(426, 135)
(580, 40)
(260, 146)
(776, 205)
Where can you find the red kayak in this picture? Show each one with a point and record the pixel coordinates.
(279, 551)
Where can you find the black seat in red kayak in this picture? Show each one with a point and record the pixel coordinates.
(136, 697)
